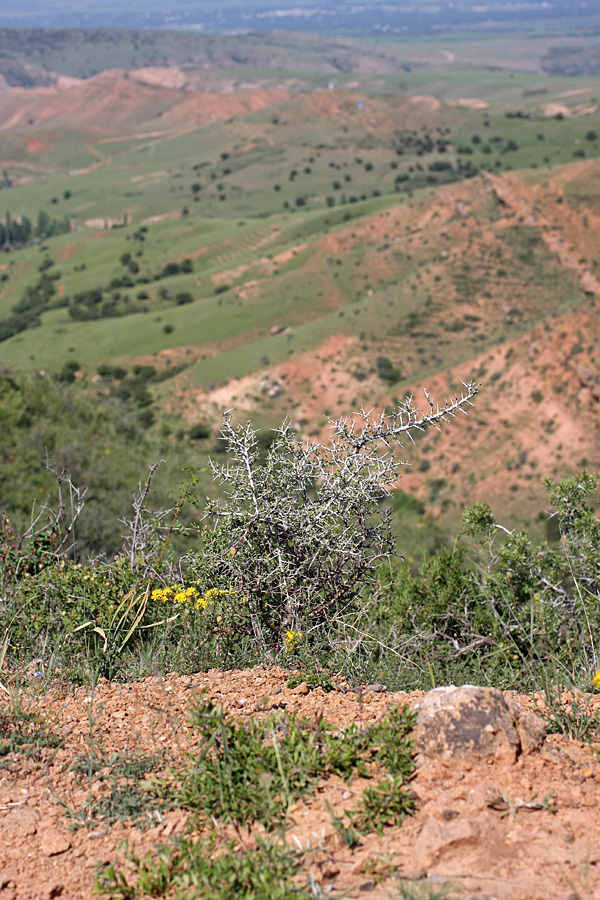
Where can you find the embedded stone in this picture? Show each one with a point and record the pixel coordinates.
(475, 722)
(300, 689)
(435, 838)
(53, 842)
(20, 822)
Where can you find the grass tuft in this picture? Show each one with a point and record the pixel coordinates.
(25, 733)
(208, 868)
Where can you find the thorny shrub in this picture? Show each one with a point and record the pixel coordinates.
(300, 534)
(289, 565)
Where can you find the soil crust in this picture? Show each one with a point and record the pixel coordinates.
(492, 829)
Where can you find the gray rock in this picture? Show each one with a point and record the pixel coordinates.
(475, 722)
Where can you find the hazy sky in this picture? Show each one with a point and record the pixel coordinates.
(334, 16)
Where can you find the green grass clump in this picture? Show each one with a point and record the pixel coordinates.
(209, 869)
(383, 804)
(424, 890)
(127, 788)
(253, 772)
(313, 679)
(572, 718)
(23, 732)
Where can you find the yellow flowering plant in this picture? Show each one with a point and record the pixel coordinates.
(292, 639)
(176, 594)
(192, 597)
(211, 623)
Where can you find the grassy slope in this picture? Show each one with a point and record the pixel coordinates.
(239, 217)
(414, 279)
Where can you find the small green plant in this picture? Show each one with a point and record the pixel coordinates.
(313, 679)
(569, 712)
(417, 889)
(240, 774)
(348, 835)
(22, 732)
(125, 793)
(505, 806)
(254, 771)
(118, 629)
(380, 868)
(208, 868)
(386, 803)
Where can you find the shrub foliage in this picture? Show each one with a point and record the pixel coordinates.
(299, 535)
(295, 561)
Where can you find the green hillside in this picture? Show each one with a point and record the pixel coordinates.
(336, 246)
(196, 215)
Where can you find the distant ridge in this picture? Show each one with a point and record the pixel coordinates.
(113, 100)
(34, 57)
(369, 18)
(82, 53)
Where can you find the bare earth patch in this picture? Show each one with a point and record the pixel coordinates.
(67, 251)
(493, 829)
(113, 103)
(470, 103)
(556, 109)
(163, 76)
(35, 145)
(432, 103)
(102, 223)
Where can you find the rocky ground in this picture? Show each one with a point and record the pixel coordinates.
(495, 827)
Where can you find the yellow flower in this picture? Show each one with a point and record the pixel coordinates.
(177, 595)
(213, 595)
(191, 595)
(162, 595)
(292, 639)
(596, 680)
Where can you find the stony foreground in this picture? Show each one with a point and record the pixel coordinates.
(493, 828)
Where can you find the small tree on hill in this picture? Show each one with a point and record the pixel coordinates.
(301, 532)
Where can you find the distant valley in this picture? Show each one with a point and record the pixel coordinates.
(187, 236)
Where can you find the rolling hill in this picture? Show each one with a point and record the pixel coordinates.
(300, 247)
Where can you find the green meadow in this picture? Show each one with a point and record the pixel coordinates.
(232, 195)
(218, 251)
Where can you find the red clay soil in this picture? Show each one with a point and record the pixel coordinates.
(112, 103)
(472, 826)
